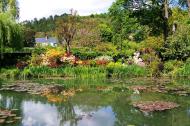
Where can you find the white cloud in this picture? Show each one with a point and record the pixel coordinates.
(30, 9)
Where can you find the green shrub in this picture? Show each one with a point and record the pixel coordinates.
(128, 52)
(25, 73)
(107, 49)
(85, 54)
(39, 50)
(130, 45)
(171, 65)
(188, 60)
(153, 42)
(178, 45)
(155, 68)
(9, 73)
(117, 70)
(184, 71)
(106, 33)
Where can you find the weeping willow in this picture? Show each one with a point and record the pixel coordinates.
(10, 33)
(11, 7)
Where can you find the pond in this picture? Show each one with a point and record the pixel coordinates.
(94, 108)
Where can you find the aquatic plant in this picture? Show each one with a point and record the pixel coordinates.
(151, 106)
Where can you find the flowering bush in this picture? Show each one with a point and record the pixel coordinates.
(106, 58)
(36, 60)
(69, 59)
(103, 60)
(85, 62)
(52, 58)
(53, 53)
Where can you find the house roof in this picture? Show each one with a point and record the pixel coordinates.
(44, 40)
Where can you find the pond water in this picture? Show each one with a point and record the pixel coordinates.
(94, 108)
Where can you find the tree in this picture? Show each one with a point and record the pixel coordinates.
(10, 33)
(10, 7)
(28, 37)
(140, 13)
(66, 29)
(178, 45)
(123, 23)
(185, 3)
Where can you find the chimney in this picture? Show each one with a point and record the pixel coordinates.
(47, 37)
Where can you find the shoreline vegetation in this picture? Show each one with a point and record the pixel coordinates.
(109, 71)
(75, 72)
(123, 43)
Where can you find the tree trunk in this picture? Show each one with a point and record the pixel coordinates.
(188, 3)
(166, 16)
(165, 28)
(68, 48)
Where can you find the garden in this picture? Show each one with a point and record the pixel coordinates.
(129, 66)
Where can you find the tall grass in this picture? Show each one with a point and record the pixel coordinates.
(82, 72)
(77, 72)
(9, 73)
(127, 71)
(184, 71)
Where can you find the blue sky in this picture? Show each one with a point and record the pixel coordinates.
(30, 9)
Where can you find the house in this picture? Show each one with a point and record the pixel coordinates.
(46, 41)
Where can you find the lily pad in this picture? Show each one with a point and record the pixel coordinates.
(150, 106)
(2, 121)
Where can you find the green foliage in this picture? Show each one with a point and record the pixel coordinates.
(106, 33)
(178, 45)
(129, 48)
(155, 68)
(131, 45)
(135, 24)
(29, 37)
(26, 73)
(11, 34)
(172, 65)
(179, 16)
(117, 70)
(39, 50)
(9, 73)
(36, 58)
(120, 19)
(152, 61)
(79, 72)
(10, 7)
(184, 71)
(155, 43)
(85, 54)
(107, 49)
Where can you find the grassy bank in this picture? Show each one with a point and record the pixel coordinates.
(113, 71)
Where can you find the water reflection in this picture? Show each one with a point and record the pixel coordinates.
(36, 112)
(102, 117)
(93, 109)
(39, 114)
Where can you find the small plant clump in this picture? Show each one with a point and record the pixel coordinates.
(151, 106)
(8, 117)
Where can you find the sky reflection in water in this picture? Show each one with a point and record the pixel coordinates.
(94, 109)
(40, 114)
